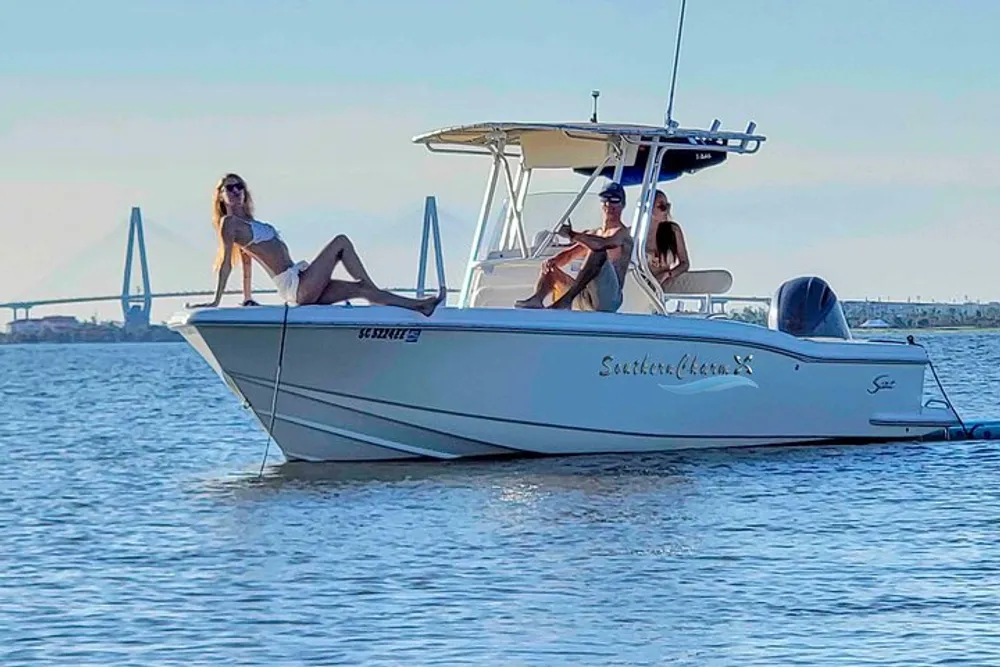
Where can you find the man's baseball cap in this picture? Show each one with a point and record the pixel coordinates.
(613, 192)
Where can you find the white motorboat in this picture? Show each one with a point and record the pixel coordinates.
(482, 378)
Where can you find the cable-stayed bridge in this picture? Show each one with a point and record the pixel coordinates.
(136, 296)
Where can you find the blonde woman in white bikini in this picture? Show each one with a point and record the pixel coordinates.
(242, 238)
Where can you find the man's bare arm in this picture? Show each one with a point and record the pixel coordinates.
(595, 242)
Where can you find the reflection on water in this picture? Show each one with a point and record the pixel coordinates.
(136, 531)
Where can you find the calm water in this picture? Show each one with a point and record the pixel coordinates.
(133, 531)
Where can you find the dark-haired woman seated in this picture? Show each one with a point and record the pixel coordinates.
(665, 246)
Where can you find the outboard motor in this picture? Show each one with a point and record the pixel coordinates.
(807, 306)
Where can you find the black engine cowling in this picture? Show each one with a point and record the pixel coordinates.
(807, 306)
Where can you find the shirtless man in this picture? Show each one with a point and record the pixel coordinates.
(598, 285)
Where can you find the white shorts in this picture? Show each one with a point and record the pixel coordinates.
(287, 283)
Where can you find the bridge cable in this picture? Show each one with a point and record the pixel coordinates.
(74, 263)
(277, 381)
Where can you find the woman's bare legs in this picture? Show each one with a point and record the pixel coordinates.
(316, 286)
(314, 279)
(341, 290)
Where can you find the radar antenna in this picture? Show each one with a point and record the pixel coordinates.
(673, 78)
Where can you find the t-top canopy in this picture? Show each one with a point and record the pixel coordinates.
(585, 146)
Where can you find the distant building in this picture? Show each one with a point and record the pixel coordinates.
(55, 324)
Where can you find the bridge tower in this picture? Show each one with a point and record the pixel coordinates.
(136, 316)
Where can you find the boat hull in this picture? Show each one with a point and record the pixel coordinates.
(376, 383)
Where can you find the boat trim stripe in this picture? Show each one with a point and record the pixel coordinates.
(480, 328)
(299, 391)
(367, 439)
(581, 429)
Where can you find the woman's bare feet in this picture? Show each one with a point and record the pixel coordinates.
(430, 304)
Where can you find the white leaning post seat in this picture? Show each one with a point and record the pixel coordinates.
(696, 283)
(705, 281)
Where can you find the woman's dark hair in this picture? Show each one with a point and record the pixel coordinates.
(666, 237)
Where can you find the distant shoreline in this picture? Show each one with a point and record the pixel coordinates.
(97, 334)
(944, 318)
(937, 329)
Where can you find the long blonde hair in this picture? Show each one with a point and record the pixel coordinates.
(219, 212)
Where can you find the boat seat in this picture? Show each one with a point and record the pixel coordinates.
(694, 284)
(700, 282)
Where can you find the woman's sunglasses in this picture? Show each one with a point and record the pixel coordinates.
(235, 187)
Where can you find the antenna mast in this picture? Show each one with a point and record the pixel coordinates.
(673, 78)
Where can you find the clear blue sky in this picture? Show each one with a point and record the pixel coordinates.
(878, 173)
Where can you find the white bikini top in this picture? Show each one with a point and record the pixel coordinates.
(262, 231)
